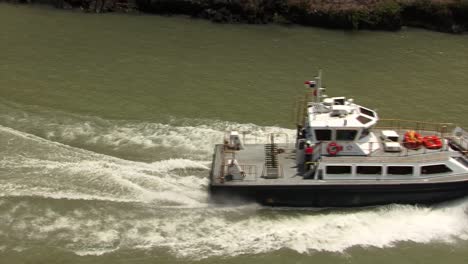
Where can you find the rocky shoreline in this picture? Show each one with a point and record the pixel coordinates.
(441, 15)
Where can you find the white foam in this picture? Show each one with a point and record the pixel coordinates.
(333, 232)
(193, 141)
(183, 141)
(15, 190)
(122, 181)
(97, 175)
(234, 231)
(66, 172)
(229, 231)
(93, 252)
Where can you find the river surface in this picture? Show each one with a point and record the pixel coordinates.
(107, 125)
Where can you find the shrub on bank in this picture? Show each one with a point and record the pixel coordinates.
(447, 16)
(357, 15)
(441, 15)
(224, 11)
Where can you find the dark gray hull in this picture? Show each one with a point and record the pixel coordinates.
(341, 195)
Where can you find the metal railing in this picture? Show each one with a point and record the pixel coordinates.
(401, 124)
(275, 135)
(300, 108)
(460, 140)
(279, 169)
(249, 172)
(248, 138)
(376, 149)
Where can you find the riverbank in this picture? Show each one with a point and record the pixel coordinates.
(440, 15)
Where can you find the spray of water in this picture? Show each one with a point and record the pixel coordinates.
(115, 203)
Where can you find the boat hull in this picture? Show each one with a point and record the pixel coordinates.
(340, 195)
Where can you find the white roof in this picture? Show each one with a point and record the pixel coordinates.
(340, 116)
(389, 133)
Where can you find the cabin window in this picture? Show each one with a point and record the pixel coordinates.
(434, 169)
(364, 120)
(367, 111)
(369, 170)
(338, 169)
(462, 161)
(323, 134)
(339, 101)
(346, 135)
(400, 170)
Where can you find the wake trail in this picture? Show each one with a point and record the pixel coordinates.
(212, 231)
(135, 140)
(37, 166)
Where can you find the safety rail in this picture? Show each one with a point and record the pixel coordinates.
(444, 130)
(223, 163)
(376, 149)
(266, 173)
(249, 138)
(460, 139)
(271, 138)
(300, 107)
(419, 126)
(249, 172)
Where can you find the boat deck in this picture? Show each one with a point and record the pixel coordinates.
(252, 160)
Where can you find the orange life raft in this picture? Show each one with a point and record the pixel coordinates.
(432, 142)
(413, 140)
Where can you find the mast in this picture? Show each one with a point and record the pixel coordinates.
(318, 89)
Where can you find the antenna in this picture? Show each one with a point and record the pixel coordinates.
(318, 82)
(319, 88)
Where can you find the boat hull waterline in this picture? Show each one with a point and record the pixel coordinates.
(341, 195)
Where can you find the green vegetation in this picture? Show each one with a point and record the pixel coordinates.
(441, 15)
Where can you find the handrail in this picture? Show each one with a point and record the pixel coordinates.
(300, 111)
(373, 152)
(445, 130)
(402, 124)
(248, 138)
(221, 173)
(275, 134)
(460, 139)
(279, 168)
(249, 171)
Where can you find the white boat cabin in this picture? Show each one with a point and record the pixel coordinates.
(343, 122)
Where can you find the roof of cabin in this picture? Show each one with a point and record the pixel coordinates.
(323, 115)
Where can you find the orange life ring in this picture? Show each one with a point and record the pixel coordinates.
(432, 142)
(333, 148)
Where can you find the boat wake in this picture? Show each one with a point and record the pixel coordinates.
(65, 181)
(132, 140)
(32, 166)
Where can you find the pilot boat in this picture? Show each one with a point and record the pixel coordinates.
(343, 155)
